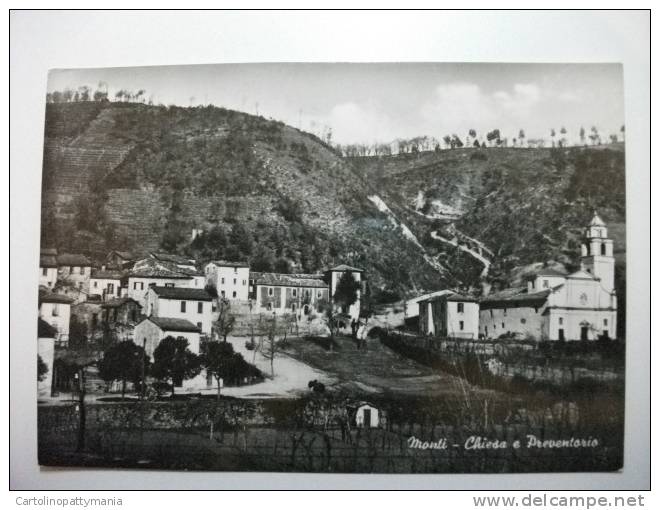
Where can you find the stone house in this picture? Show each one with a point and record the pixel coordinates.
(55, 309)
(194, 305)
(449, 315)
(231, 279)
(74, 269)
(287, 293)
(48, 267)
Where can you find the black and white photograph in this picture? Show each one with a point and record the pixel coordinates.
(406, 268)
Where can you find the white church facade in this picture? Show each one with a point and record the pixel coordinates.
(558, 306)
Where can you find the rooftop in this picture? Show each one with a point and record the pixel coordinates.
(46, 296)
(548, 271)
(170, 257)
(45, 330)
(107, 274)
(117, 302)
(182, 293)
(227, 263)
(514, 297)
(289, 280)
(47, 260)
(596, 221)
(344, 267)
(73, 259)
(127, 255)
(171, 324)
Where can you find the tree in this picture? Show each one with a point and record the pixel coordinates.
(269, 348)
(472, 133)
(173, 361)
(42, 369)
(623, 133)
(226, 319)
(582, 135)
(124, 362)
(563, 141)
(552, 136)
(594, 136)
(218, 358)
(447, 140)
(346, 292)
(521, 137)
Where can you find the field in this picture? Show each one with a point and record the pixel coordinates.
(372, 369)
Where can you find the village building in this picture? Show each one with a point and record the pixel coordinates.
(55, 309)
(139, 281)
(411, 306)
(74, 269)
(180, 261)
(364, 415)
(191, 304)
(333, 276)
(151, 330)
(230, 279)
(120, 259)
(558, 306)
(449, 315)
(89, 314)
(46, 335)
(48, 267)
(287, 293)
(107, 283)
(124, 310)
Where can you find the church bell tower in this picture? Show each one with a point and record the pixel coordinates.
(597, 253)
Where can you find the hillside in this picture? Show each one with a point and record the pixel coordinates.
(122, 175)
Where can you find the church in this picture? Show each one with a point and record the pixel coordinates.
(558, 306)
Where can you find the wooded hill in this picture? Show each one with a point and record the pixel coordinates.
(140, 177)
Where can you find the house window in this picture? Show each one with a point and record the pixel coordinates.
(96, 284)
(532, 284)
(183, 307)
(80, 284)
(491, 314)
(222, 281)
(82, 270)
(134, 315)
(461, 325)
(319, 294)
(169, 285)
(561, 321)
(44, 271)
(294, 292)
(200, 307)
(602, 249)
(233, 294)
(235, 270)
(222, 293)
(502, 325)
(243, 282)
(199, 325)
(536, 309)
(545, 284)
(523, 320)
(70, 269)
(95, 319)
(111, 288)
(56, 311)
(604, 322)
(504, 312)
(460, 308)
(270, 291)
(234, 281)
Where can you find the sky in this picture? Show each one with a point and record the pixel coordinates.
(367, 103)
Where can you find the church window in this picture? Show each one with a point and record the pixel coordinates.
(602, 249)
(460, 308)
